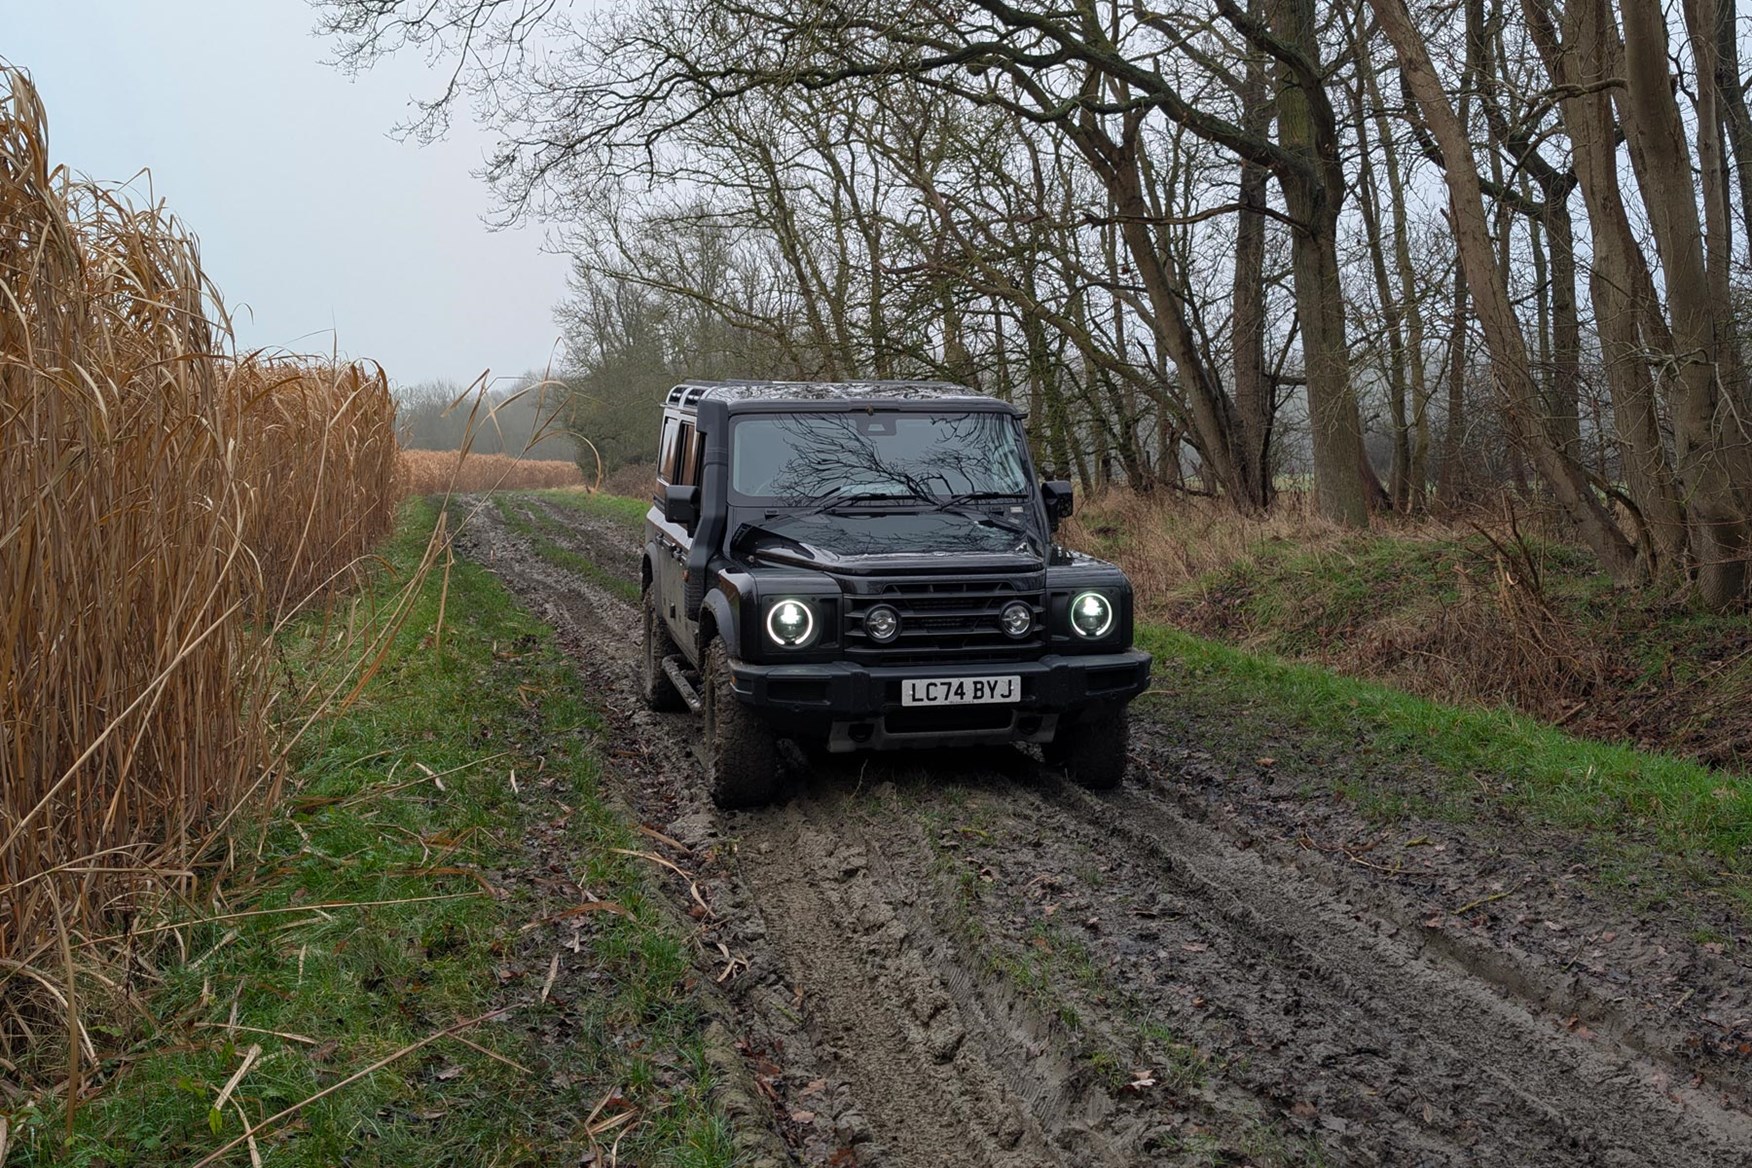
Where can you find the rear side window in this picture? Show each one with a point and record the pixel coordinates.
(666, 451)
(691, 447)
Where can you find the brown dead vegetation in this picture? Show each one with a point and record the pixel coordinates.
(1493, 608)
(635, 480)
(437, 472)
(163, 506)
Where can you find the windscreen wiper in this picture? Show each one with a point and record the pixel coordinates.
(962, 505)
(990, 521)
(983, 497)
(838, 498)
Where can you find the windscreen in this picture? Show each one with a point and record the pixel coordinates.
(793, 459)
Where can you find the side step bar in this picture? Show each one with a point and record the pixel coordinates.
(674, 670)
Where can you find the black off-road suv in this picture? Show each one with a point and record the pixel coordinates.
(871, 565)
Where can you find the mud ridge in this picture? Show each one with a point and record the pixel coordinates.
(933, 959)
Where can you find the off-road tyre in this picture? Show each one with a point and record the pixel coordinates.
(1093, 750)
(658, 692)
(742, 752)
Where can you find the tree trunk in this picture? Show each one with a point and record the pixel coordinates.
(1720, 535)
(1343, 480)
(1451, 484)
(1418, 460)
(1617, 274)
(1736, 120)
(1212, 413)
(1391, 300)
(1254, 400)
(1507, 347)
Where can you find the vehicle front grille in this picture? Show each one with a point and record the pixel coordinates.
(944, 621)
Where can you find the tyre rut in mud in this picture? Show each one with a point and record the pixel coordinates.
(957, 958)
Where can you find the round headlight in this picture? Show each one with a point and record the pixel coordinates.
(790, 623)
(882, 624)
(1017, 619)
(1091, 614)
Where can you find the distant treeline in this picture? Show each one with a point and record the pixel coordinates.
(516, 421)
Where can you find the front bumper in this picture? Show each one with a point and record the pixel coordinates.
(852, 706)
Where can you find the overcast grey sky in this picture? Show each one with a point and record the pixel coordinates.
(318, 226)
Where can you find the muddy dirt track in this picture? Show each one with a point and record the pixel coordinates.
(959, 959)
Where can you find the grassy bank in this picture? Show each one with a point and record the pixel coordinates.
(1483, 613)
(1341, 727)
(431, 953)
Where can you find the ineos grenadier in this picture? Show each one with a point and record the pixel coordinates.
(871, 565)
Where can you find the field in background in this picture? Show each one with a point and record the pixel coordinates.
(164, 506)
(438, 472)
(1495, 609)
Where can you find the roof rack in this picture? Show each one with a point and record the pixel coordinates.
(690, 393)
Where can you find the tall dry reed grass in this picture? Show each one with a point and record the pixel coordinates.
(323, 471)
(435, 472)
(162, 506)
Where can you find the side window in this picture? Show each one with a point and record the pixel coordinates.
(693, 445)
(666, 452)
(683, 441)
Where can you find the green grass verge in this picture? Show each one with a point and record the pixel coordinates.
(430, 883)
(1526, 621)
(1528, 766)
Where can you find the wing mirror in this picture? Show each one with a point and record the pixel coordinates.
(681, 505)
(1056, 494)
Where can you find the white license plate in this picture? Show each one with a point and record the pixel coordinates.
(959, 691)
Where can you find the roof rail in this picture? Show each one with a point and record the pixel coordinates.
(688, 393)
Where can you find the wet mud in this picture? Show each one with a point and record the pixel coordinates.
(958, 958)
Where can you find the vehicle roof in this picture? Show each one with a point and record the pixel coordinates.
(752, 392)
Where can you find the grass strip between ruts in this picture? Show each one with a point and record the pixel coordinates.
(626, 511)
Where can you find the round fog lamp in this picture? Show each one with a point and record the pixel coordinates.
(1017, 619)
(789, 622)
(882, 624)
(1091, 614)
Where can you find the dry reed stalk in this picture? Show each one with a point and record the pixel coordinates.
(323, 469)
(123, 571)
(436, 472)
(163, 507)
